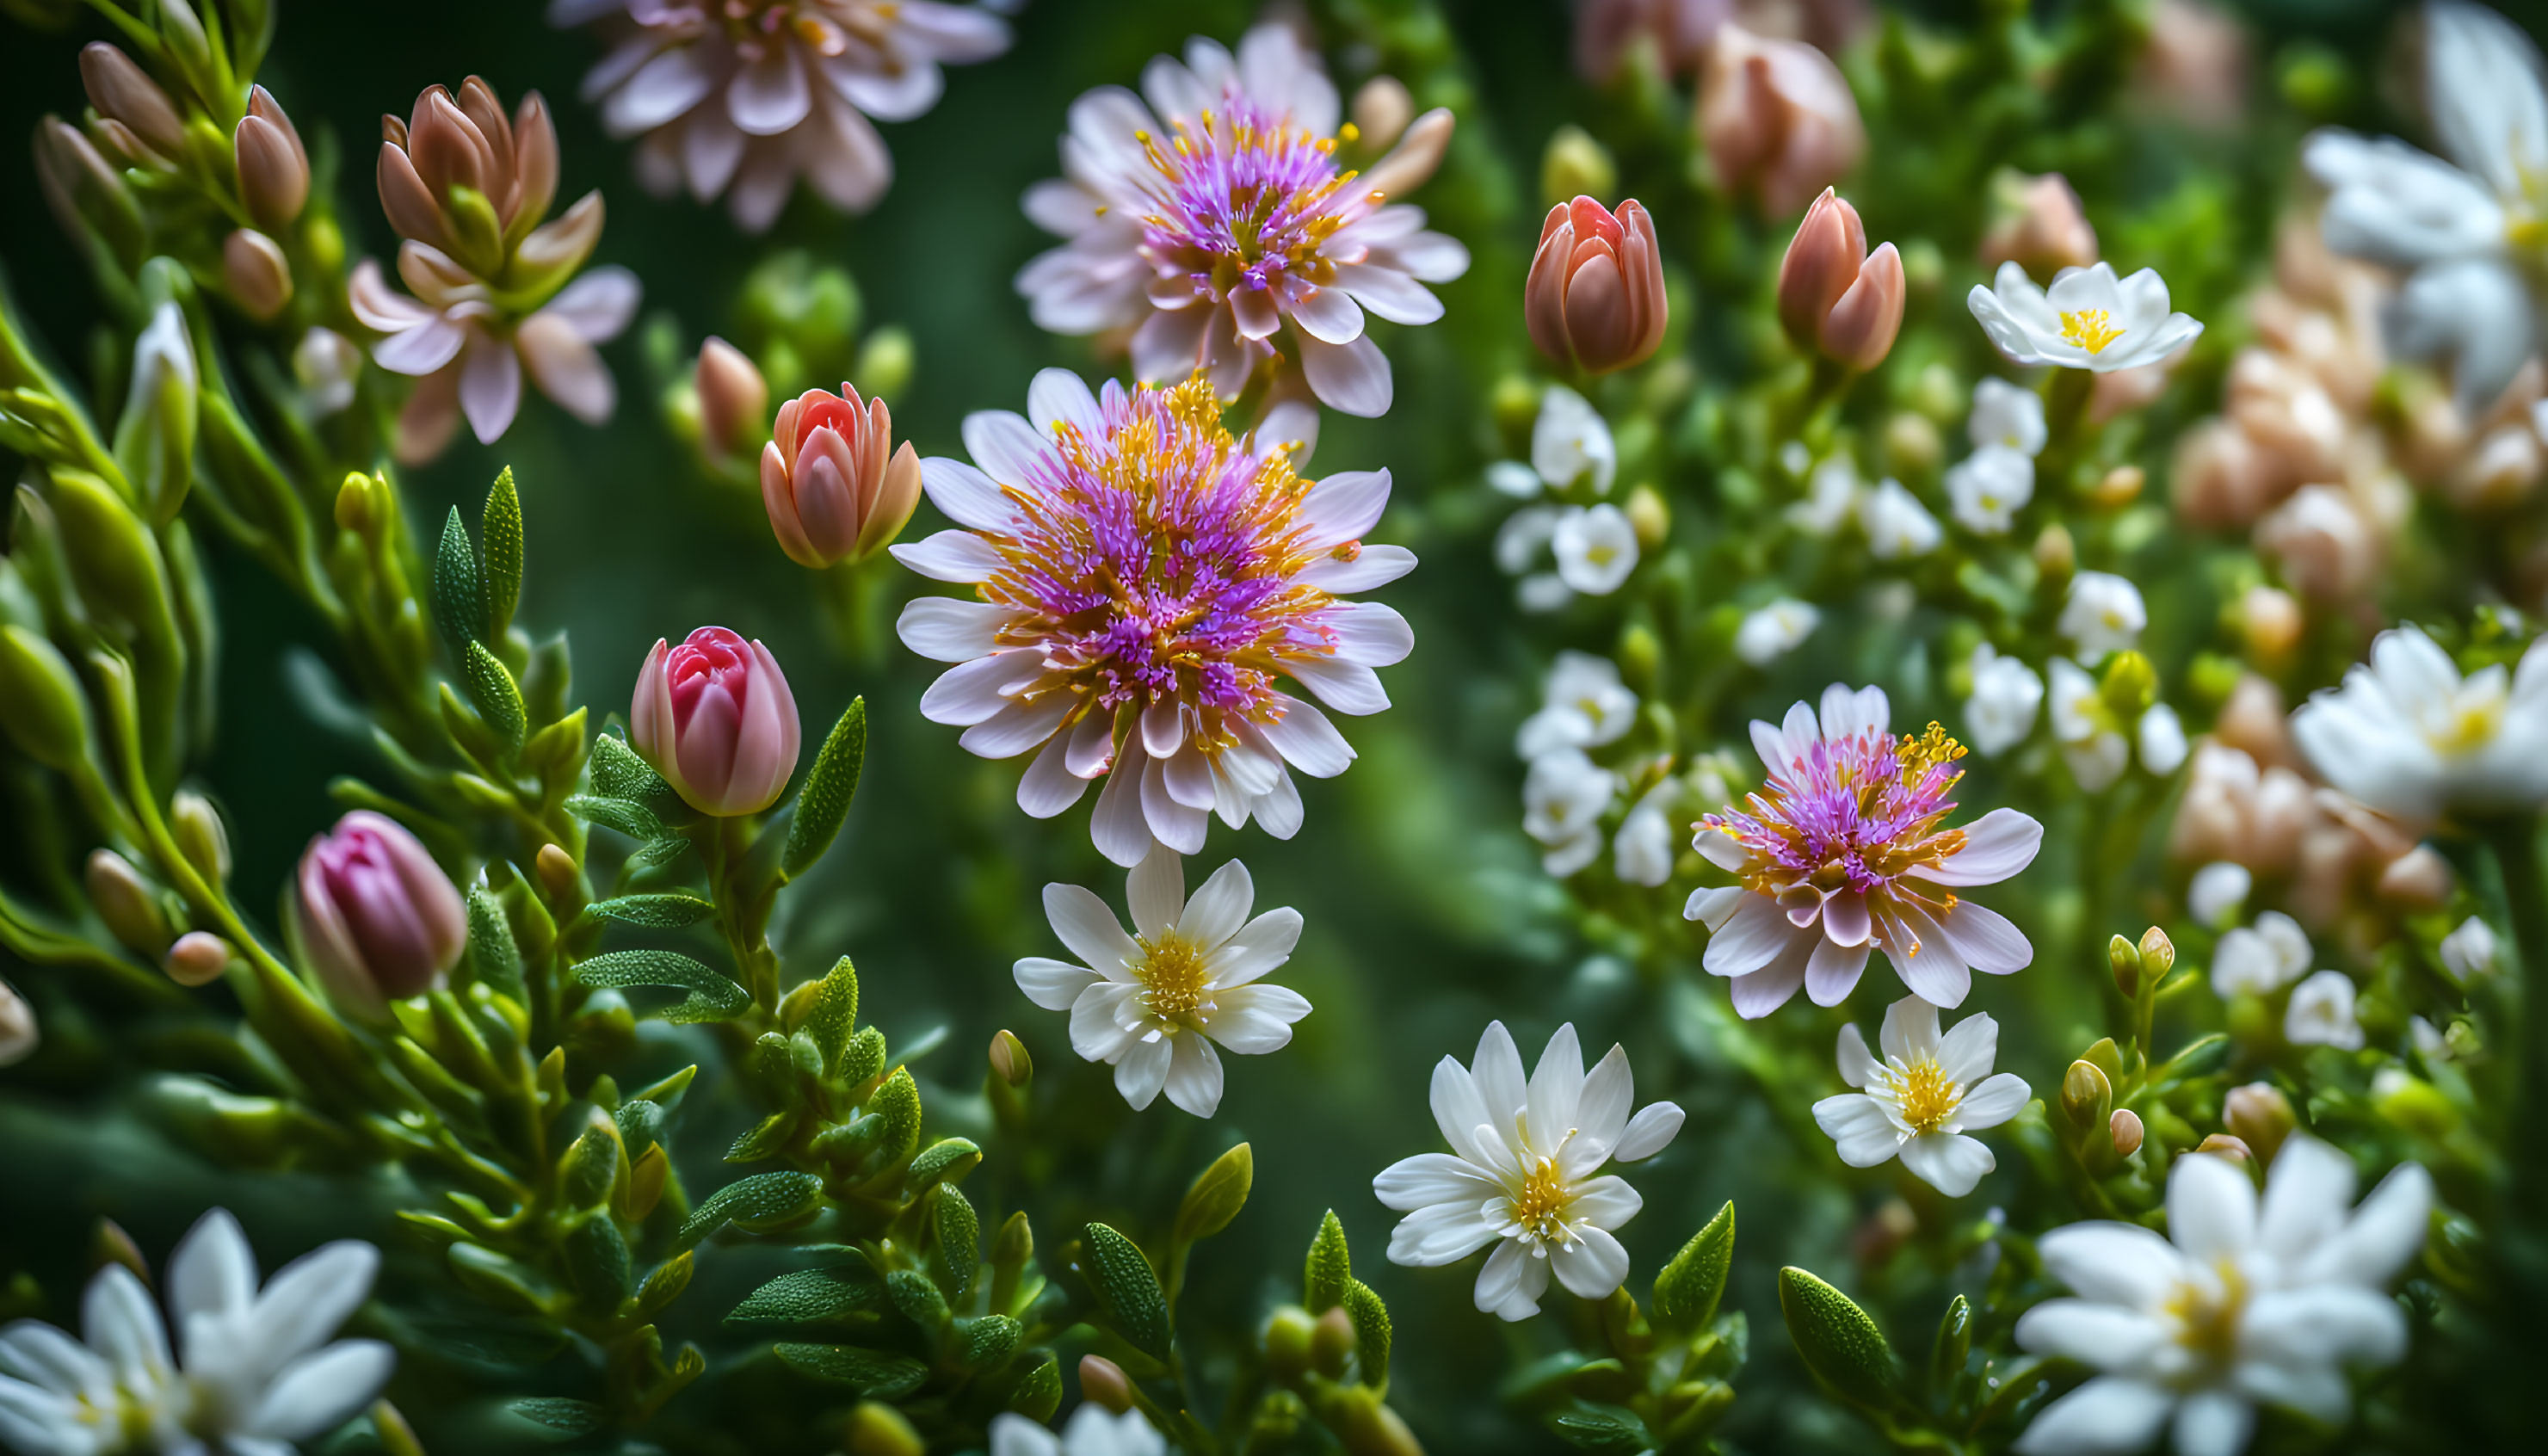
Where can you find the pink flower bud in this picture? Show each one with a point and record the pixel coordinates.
(273, 166)
(734, 400)
(2038, 225)
(258, 276)
(1833, 295)
(833, 492)
(377, 919)
(715, 718)
(1777, 117)
(1596, 296)
(123, 93)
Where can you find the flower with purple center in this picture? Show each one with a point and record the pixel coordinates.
(1844, 850)
(1216, 225)
(1144, 579)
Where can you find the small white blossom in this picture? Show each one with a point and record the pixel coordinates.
(1922, 1098)
(2161, 739)
(1595, 548)
(1542, 592)
(2007, 695)
(1522, 536)
(1773, 631)
(1564, 796)
(2090, 744)
(1521, 1173)
(2430, 1044)
(2408, 736)
(1831, 498)
(1570, 442)
(1988, 487)
(1588, 706)
(1093, 1431)
(1641, 850)
(1897, 525)
(2468, 952)
(1512, 478)
(2217, 892)
(325, 364)
(2006, 417)
(2088, 319)
(2104, 613)
(2320, 1013)
(2262, 959)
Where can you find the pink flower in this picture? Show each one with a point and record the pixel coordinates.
(472, 360)
(376, 918)
(744, 97)
(1222, 232)
(1777, 117)
(715, 718)
(1843, 851)
(834, 486)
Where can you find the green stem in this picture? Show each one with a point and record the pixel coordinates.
(2516, 842)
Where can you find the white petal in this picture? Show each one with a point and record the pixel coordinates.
(1144, 1071)
(1950, 1162)
(319, 1392)
(1194, 1075)
(2110, 1415)
(2210, 1209)
(1053, 984)
(1007, 448)
(965, 495)
(1433, 1178)
(1089, 929)
(1992, 1103)
(1593, 1267)
(1219, 908)
(946, 630)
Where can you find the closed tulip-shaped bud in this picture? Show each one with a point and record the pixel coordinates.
(836, 488)
(200, 836)
(715, 718)
(2158, 953)
(198, 958)
(2124, 959)
(1009, 1059)
(1777, 117)
(2223, 1145)
(1860, 329)
(41, 706)
(1834, 298)
(273, 166)
(125, 94)
(377, 919)
(126, 902)
(1103, 1381)
(259, 277)
(734, 400)
(154, 441)
(84, 190)
(1595, 295)
(2125, 1127)
(17, 1031)
(2259, 1116)
(2086, 1094)
(2036, 224)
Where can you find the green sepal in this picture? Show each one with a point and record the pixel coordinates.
(498, 695)
(1370, 1317)
(459, 595)
(1689, 1289)
(1128, 1290)
(501, 528)
(824, 800)
(1839, 1343)
(1955, 1344)
(756, 1204)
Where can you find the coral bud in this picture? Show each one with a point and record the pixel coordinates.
(1103, 1381)
(1833, 295)
(2086, 1094)
(126, 902)
(2038, 225)
(200, 835)
(41, 707)
(734, 400)
(198, 958)
(123, 93)
(256, 273)
(1595, 299)
(715, 718)
(1572, 165)
(2158, 953)
(1009, 1059)
(2125, 1127)
(273, 169)
(18, 1034)
(2221, 1145)
(1776, 118)
(2259, 1116)
(375, 917)
(2126, 962)
(835, 487)
(1381, 111)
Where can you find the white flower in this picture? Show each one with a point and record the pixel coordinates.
(1522, 536)
(1153, 1003)
(1595, 548)
(2242, 1304)
(1772, 632)
(2089, 319)
(1542, 592)
(2096, 753)
(1922, 1098)
(1564, 796)
(1897, 525)
(2468, 951)
(2006, 416)
(1570, 442)
(2217, 891)
(251, 1372)
(325, 364)
(2007, 695)
(1520, 1174)
(1641, 850)
(2320, 1013)
(2455, 230)
(2408, 736)
(1093, 1431)
(1831, 498)
(2103, 614)
(2161, 739)
(1588, 706)
(2261, 960)
(1988, 487)
(2430, 1044)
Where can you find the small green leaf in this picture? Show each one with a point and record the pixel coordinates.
(960, 1240)
(641, 1121)
(1611, 1430)
(862, 1058)
(1953, 1345)
(824, 801)
(1038, 1393)
(898, 1102)
(1689, 1289)
(1369, 1319)
(989, 1340)
(1840, 1343)
(918, 1298)
(620, 773)
(1215, 1196)
(558, 1414)
(811, 1297)
(597, 1264)
(501, 526)
(628, 816)
(833, 1018)
(1329, 1267)
(498, 695)
(712, 996)
(1128, 1290)
(655, 853)
(490, 943)
(874, 1374)
(760, 1202)
(654, 912)
(459, 598)
(946, 1160)
(762, 1139)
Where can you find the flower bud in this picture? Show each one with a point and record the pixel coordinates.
(2119, 487)
(41, 706)
(1572, 165)
(2086, 1094)
(154, 441)
(2126, 962)
(878, 1429)
(256, 273)
(18, 1030)
(1103, 1381)
(198, 958)
(2322, 544)
(556, 871)
(273, 167)
(85, 192)
(2259, 1116)
(734, 400)
(376, 918)
(1287, 1344)
(2419, 879)
(123, 93)
(1834, 296)
(2269, 618)
(325, 364)
(1381, 111)
(200, 835)
(1649, 517)
(126, 902)
(2130, 686)
(1595, 299)
(2221, 1145)
(1009, 1059)
(715, 718)
(2125, 1129)
(2158, 953)
(835, 487)
(1776, 118)
(2038, 225)
(1332, 1342)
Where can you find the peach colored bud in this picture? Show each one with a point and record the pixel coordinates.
(1009, 1059)
(715, 718)
(1103, 1381)
(1607, 31)
(376, 918)
(2125, 1127)
(2119, 487)
(2221, 1145)
(2220, 478)
(2269, 617)
(273, 169)
(2038, 225)
(1381, 111)
(836, 488)
(466, 140)
(255, 271)
(1595, 295)
(123, 93)
(2288, 414)
(2195, 64)
(198, 958)
(2258, 1116)
(2501, 472)
(126, 903)
(2321, 543)
(734, 400)
(2251, 721)
(18, 1034)
(1776, 118)
(2119, 392)
(1833, 295)
(2419, 879)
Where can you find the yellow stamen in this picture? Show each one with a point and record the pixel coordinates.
(1928, 1096)
(1539, 1206)
(2089, 329)
(1172, 977)
(2207, 1318)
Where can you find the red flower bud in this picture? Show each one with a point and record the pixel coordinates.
(715, 718)
(833, 491)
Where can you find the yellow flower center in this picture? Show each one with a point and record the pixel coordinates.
(1928, 1095)
(2089, 329)
(1539, 1205)
(2207, 1314)
(2472, 722)
(1174, 979)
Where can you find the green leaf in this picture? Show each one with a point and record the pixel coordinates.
(459, 598)
(1689, 1289)
(989, 1340)
(1370, 1318)
(898, 1102)
(654, 912)
(946, 1160)
(918, 1296)
(620, 773)
(960, 1240)
(1840, 1343)
(641, 1121)
(833, 1018)
(1215, 1196)
(764, 1140)
(1038, 1393)
(760, 1202)
(558, 1414)
(1953, 1345)
(597, 1264)
(500, 527)
(862, 1058)
(824, 801)
(490, 943)
(1128, 1290)
(1329, 1267)
(498, 695)
(628, 816)
(1608, 1429)
(811, 1297)
(874, 1374)
(659, 851)
(712, 996)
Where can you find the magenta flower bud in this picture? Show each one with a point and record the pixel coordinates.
(715, 718)
(377, 918)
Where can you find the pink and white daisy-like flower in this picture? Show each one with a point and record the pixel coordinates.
(1216, 225)
(743, 97)
(471, 358)
(1843, 851)
(1144, 580)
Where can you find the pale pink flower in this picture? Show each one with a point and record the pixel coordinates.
(472, 360)
(375, 917)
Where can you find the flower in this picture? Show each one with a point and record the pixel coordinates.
(1777, 117)
(2036, 224)
(2162, 740)
(2214, 894)
(1564, 796)
(1595, 548)
(715, 718)
(2091, 743)
(1832, 492)
(1586, 707)
(734, 401)
(2103, 614)
(832, 491)
(2007, 415)
(744, 97)
(1093, 1430)
(1215, 217)
(2320, 1013)
(2470, 951)
(1988, 487)
(325, 364)
(2408, 736)
(1151, 1004)
(1897, 525)
(2089, 319)
(375, 917)
(1594, 299)
(1771, 632)
(1143, 578)
(490, 279)
(2243, 1302)
(250, 1374)
(1641, 850)
(2260, 959)
(1832, 294)
(1921, 1098)
(1570, 445)
(1521, 1172)
(2007, 695)
(1842, 851)
(2321, 543)
(2458, 230)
